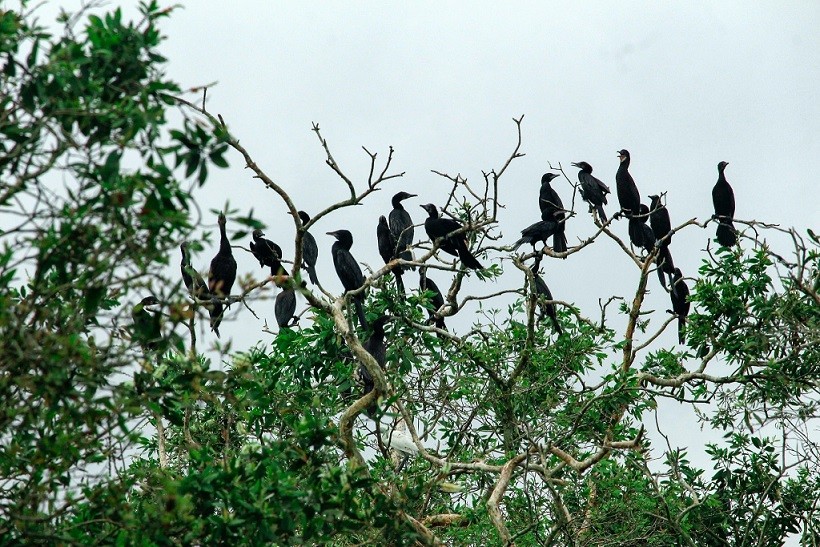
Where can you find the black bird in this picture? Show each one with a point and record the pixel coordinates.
(680, 301)
(540, 231)
(190, 276)
(199, 290)
(222, 275)
(662, 229)
(401, 227)
(628, 196)
(376, 347)
(387, 250)
(223, 266)
(310, 251)
(593, 191)
(147, 326)
(267, 253)
(348, 270)
(552, 209)
(455, 245)
(640, 234)
(437, 300)
(723, 197)
(547, 308)
(285, 307)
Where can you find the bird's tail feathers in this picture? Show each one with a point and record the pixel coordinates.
(726, 233)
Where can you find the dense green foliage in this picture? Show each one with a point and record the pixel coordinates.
(539, 439)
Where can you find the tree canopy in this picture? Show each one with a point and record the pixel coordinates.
(122, 424)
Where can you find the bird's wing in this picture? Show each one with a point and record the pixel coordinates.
(346, 262)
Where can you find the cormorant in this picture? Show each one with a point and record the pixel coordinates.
(376, 347)
(662, 229)
(640, 234)
(628, 196)
(437, 300)
(147, 327)
(593, 191)
(387, 249)
(401, 226)
(547, 308)
(221, 275)
(540, 231)
(199, 290)
(348, 270)
(724, 200)
(267, 253)
(455, 245)
(310, 251)
(680, 301)
(223, 266)
(285, 307)
(552, 209)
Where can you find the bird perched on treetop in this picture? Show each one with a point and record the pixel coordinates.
(539, 231)
(552, 210)
(348, 270)
(628, 196)
(310, 251)
(401, 227)
(455, 244)
(267, 253)
(387, 249)
(221, 275)
(593, 191)
(662, 228)
(723, 198)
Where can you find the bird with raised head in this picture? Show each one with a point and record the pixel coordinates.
(552, 210)
(401, 227)
(221, 275)
(593, 191)
(629, 198)
(438, 228)
(348, 270)
(723, 198)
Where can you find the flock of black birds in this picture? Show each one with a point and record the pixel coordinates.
(649, 229)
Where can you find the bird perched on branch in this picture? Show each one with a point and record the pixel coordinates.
(199, 290)
(552, 210)
(310, 251)
(640, 234)
(285, 307)
(401, 227)
(147, 324)
(348, 270)
(222, 274)
(547, 308)
(539, 231)
(267, 253)
(455, 244)
(593, 191)
(629, 198)
(662, 228)
(723, 198)
(387, 250)
(680, 301)
(437, 300)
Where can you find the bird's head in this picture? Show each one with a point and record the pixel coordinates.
(546, 177)
(583, 166)
(643, 210)
(401, 196)
(257, 234)
(383, 221)
(221, 219)
(149, 301)
(342, 235)
(184, 247)
(623, 154)
(431, 209)
(722, 165)
(304, 217)
(656, 199)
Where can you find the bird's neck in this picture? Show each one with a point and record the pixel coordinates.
(224, 244)
(397, 205)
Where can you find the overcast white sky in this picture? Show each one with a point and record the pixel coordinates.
(681, 85)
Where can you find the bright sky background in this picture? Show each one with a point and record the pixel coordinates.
(681, 85)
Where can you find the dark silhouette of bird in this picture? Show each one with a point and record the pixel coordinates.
(221, 275)
(437, 299)
(147, 324)
(348, 270)
(547, 308)
(376, 347)
(552, 209)
(629, 198)
(662, 229)
(387, 250)
(723, 198)
(199, 290)
(223, 266)
(640, 234)
(267, 253)
(540, 231)
(593, 191)
(285, 307)
(456, 245)
(680, 301)
(401, 227)
(310, 251)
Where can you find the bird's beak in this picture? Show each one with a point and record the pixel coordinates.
(575, 164)
(412, 195)
(331, 234)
